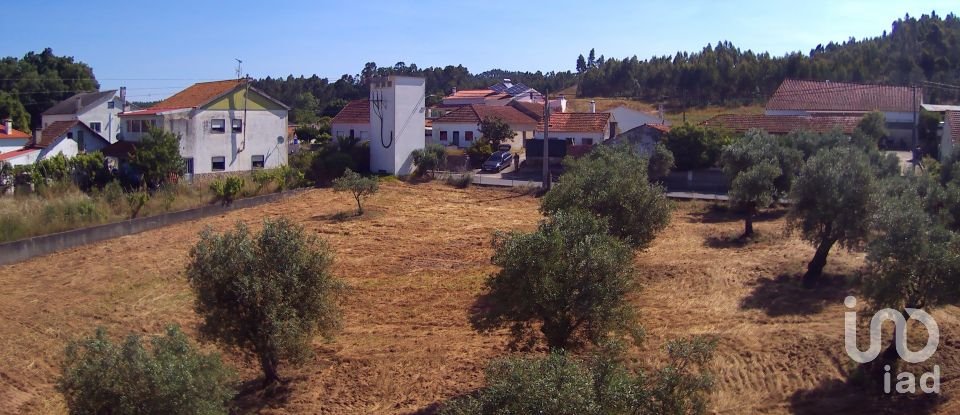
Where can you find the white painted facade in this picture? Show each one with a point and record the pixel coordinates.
(400, 101)
(456, 134)
(576, 138)
(69, 145)
(361, 131)
(628, 119)
(104, 114)
(950, 130)
(12, 144)
(25, 158)
(263, 136)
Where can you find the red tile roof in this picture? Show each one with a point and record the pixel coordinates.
(11, 154)
(194, 96)
(57, 129)
(532, 109)
(952, 119)
(355, 112)
(782, 124)
(472, 93)
(13, 134)
(838, 96)
(473, 114)
(659, 127)
(577, 122)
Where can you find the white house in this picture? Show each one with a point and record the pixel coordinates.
(578, 128)
(20, 157)
(899, 104)
(98, 110)
(461, 126)
(68, 138)
(397, 107)
(353, 120)
(642, 139)
(628, 119)
(12, 139)
(951, 134)
(224, 126)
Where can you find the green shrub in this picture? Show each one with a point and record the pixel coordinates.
(226, 190)
(460, 181)
(170, 377)
(90, 170)
(431, 157)
(72, 213)
(263, 178)
(327, 167)
(602, 384)
(135, 201)
(112, 193)
(696, 147)
(479, 151)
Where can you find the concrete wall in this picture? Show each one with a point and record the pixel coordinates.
(521, 132)
(628, 119)
(16, 251)
(265, 136)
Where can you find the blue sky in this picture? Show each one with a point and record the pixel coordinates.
(156, 48)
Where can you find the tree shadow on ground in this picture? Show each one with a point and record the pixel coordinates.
(838, 397)
(347, 215)
(784, 295)
(724, 214)
(737, 240)
(252, 397)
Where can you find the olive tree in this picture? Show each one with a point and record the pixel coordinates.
(761, 169)
(569, 278)
(659, 162)
(494, 130)
(360, 187)
(832, 204)
(913, 260)
(269, 293)
(601, 384)
(169, 377)
(611, 182)
(157, 158)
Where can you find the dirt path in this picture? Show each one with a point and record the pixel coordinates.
(415, 264)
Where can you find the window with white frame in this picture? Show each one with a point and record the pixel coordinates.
(218, 125)
(218, 163)
(95, 126)
(256, 161)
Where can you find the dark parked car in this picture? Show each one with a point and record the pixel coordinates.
(497, 161)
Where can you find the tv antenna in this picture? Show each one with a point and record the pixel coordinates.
(239, 67)
(379, 105)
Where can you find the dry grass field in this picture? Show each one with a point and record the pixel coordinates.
(416, 264)
(693, 115)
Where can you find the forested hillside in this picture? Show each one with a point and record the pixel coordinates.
(913, 51)
(924, 51)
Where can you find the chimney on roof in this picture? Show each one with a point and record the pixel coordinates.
(593, 105)
(563, 103)
(8, 125)
(79, 104)
(123, 99)
(454, 92)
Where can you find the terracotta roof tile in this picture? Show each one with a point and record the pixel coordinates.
(838, 96)
(13, 134)
(782, 124)
(472, 93)
(197, 94)
(11, 154)
(475, 113)
(355, 112)
(532, 109)
(57, 129)
(659, 127)
(577, 122)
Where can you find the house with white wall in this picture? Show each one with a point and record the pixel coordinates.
(224, 126)
(629, 118)
(68, 138)
(352, 121)
(98, 110)
(578, 128)
(899, 104)
(12, 139)
(460, 127)
(642, 139)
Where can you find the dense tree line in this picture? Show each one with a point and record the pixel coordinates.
(915, 50)
(39, 81)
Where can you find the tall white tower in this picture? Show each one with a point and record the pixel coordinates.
(397, 106)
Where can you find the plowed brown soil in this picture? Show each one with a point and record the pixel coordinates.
(416, 263)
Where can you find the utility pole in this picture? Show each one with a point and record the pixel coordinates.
(915, 105)
(239, 67)
(546, 140)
